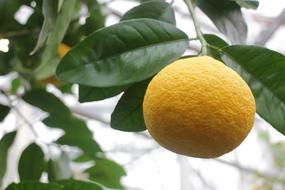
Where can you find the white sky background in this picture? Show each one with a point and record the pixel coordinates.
(160, 169)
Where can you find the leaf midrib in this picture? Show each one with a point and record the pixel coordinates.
(133, 50)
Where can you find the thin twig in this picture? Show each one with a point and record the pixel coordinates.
(197, 27)
(19, 113)
(27, 122)
(91, 116)
(251, 171)
(139, 152)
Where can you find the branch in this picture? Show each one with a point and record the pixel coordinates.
(19, 113)
(27, 122)
(87, 114)
(197, 26)
(251, 171)
(204, 25)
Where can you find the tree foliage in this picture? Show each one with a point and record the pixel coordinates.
(106, 61)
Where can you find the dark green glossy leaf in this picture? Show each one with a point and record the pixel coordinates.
(5, 144)
(107, 173)
(217, 41)
(249, 4)
(31, 163)
(81, 185)
(50, 58)
(46, 102)
(227, 16)
(76, 133)
(4, 111)
(217, 44)
(264, 71)
(158, 10)
(59, 169)
(88, 94)
(49, 10)
(34, 186)
(123, 53)
(128, 114)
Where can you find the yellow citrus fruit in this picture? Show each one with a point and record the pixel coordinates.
(198, 107)
(62, 49)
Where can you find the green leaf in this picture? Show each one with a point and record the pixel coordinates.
(31, 163)
(128, 114)
(217, 41)
(4, 111)
(34, 186)
(123, 53)
(5, 144)
(80, 185)
(59, 169)
(217, 44)
(158, 10)
(83, 158)
(107, 173)
(49, 10)
(76, 133)
(249, 4)
(264, 71)
(15, 84)
(50, 58)
(88, 94)
(227, 17)
(46, 102)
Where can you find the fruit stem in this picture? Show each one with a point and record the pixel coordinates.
(197, 27)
